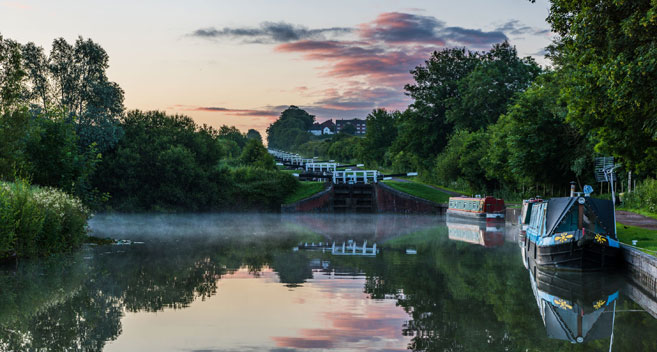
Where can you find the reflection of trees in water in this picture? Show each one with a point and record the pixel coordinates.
(69, 303)
(462, 297)
(459, 297)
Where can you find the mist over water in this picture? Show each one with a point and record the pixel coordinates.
(332, 226)
(241, 282)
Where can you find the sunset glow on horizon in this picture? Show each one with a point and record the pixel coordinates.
(242, 63)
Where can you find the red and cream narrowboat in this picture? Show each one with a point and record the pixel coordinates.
(477, 207)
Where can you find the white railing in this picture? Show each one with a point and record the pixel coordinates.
(329, 167)
(356, 176)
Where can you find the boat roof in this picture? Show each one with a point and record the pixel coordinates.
(559, 207)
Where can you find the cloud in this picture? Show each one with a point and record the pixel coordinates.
(269, 32)
(405, 28)
(268, 112)
(15, 5)
(516, 28)
(370, 66)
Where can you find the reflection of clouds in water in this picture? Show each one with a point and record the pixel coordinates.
(352, 320)
(378, 325)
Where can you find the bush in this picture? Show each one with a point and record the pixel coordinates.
(37, 221)
(643, 197)
(256, 188)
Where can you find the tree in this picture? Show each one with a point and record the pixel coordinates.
(233, 134)
(486, 91)
(381, 132)
(608, 52)
(423, 128)
(256, 154)
(534, 144)
(348, 129)
(12, 74)
(36, 65)
(461, 160)
(291, 129)
(254, 134)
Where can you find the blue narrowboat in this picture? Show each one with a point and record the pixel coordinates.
(573, 233)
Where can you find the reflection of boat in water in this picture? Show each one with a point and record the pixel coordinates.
(485, 233)
(573, 232)
(575, 306)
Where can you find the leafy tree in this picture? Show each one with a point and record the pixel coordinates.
(14, 136)
(607, 50)
(533, 144)
(82, 88)
(483, 95)
(233, 134)
(254, 134)
(291, 129)
(381, 132)
(56, 161)
(424, 129)
(348, 129)
(12, 74)
(36, 65)
(256, 154)
(461, 159)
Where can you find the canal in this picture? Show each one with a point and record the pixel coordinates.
(263, 282)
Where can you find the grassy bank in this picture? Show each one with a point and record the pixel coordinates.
(304, 190)
(646, 239)
(37, 221)
(419, 190)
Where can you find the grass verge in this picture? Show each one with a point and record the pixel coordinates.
(646, 239)
(419, 190)
(305, 190)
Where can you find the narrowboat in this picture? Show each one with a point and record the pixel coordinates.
(483, 233)
(525, 214)
(577, 233)
(576, 307)
(477, 207)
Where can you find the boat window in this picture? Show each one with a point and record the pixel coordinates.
(569, 222)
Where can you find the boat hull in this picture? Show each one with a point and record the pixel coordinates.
(582, 255)
(475, 215)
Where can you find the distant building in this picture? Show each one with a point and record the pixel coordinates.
(326, 127)
(361, 125)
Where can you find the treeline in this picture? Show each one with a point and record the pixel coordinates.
(63, 125)
(497, 123)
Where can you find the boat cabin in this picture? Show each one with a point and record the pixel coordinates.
(489, 207)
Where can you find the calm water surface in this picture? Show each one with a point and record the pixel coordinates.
(250, 283)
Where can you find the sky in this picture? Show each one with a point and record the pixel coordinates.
(243, 62)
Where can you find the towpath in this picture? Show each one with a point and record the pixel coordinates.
(633, 219)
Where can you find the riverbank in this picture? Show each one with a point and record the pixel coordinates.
(38, 221)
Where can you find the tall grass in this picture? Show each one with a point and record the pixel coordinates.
(36, 221)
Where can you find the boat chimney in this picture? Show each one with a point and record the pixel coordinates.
(572, 188)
